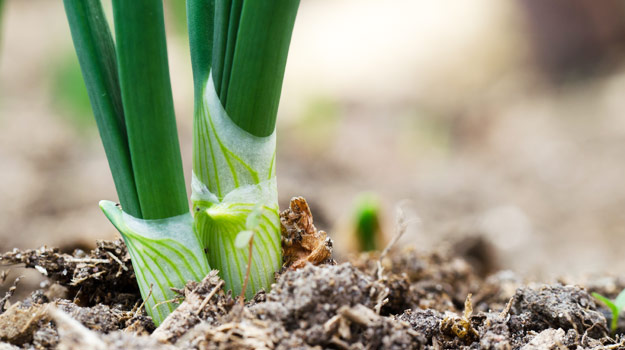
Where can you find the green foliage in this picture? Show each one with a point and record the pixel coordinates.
(177, 12)
(317, 128)
(367, 222)
(615, 306)
(69, 94)
(165, 253)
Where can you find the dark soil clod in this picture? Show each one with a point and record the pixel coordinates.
(557, 307)
(105, 275)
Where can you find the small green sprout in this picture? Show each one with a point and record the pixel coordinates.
(367, 222)
(615, 306)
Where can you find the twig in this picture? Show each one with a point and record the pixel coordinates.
(3, 275)
(76, 282)
(164, 302)
(118, 261)
(382, 300)
(135, 308)
(209, 296)
(88, 260)
(339, 343)
(401, 226)
(504, 313)
(143, 302)
(9, 294)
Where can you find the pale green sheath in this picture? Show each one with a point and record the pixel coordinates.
(165, 254)
(234, 172)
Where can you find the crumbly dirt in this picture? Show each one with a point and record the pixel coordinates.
(104, 275)
(450, 298)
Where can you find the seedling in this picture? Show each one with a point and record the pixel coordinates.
(367, 222)
(238, 55)
(615, 306)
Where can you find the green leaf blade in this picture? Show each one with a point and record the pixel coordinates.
(615, 310)
(606, 301)
(148, 107)
(619, 302)
(96, 55)
(259, 63)
(233, 30)
(201, 18)
(220, 41)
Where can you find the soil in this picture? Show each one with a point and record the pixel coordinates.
(449, 298)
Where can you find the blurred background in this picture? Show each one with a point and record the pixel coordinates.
(501, 118)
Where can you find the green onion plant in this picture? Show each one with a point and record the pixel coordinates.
(238, 55)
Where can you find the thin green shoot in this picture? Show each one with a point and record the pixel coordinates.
(70, 96)
(616, 306)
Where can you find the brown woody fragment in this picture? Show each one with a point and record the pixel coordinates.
(302, 243)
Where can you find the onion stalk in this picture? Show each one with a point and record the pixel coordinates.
(238, 54)
(239, 57)
(130, 93)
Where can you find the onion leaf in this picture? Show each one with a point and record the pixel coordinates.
(149, 108)
(96, 55)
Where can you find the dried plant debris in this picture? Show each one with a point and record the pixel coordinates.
(5, 299)
(302, 243)
(461, 327)
(203, 302)
(104, 275)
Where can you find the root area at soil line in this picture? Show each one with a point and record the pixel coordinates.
(443, 299)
